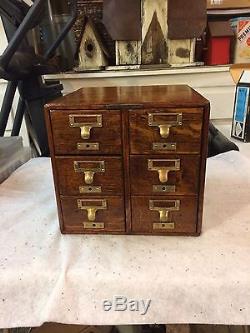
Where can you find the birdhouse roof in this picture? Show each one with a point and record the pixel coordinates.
(88, 21)
(122, 19)
(220, 29)
(187, 19)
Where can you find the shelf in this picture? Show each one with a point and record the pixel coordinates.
(227, 12)
(227, 4)
(214, 82)
(140, 72)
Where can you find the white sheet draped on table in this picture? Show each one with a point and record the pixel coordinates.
(45, 276)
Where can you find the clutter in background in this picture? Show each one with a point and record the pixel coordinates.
(241, 28)
(56, 16)
(227, 4)
(141, 32)
(132, 34)
(227, 37)
(241, 117)
(219, 37)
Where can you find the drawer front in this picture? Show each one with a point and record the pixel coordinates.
(90, 175)
(171, 174)
(86, 132)
(155, 215)
(98, 215)
(165, 131)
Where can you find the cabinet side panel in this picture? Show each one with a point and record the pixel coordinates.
(53, 162)
(204, 150)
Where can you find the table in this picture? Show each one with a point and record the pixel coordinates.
(45, 276)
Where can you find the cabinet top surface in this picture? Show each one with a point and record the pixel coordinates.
(148, 96)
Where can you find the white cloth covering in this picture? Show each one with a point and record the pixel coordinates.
(45, 276)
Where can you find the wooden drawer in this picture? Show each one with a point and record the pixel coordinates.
(129, 160)
(98, 215)
(86, 132)
(90, 175)
(178, 215)
(165, 131)
(164, 175)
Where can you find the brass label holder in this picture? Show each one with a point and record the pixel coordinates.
(93, 225)
(164, 188)
(87, 126)
(164, 226)
(91, 208)
(165, 125)
(159, 146)
(90, 189)
(163, 171)
(89, 173)
(90, 146)
(164, 207)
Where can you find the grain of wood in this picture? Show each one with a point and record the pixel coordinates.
(217, 329)
(139, 111)
(184, 328)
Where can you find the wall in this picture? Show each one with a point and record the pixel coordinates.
(3, 41)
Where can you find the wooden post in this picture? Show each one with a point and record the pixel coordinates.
(154, 31)
(128, 53)
(181, 51)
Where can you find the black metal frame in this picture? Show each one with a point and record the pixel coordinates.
(18, 19)
(7, 105)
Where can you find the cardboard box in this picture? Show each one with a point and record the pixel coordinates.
(227, 4)
(241, 115)
(241, 28)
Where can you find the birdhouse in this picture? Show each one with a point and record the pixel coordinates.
(141, 32)
(92, 53)
(150, 32)
(219, 39)
(122, 20)
(186, 22)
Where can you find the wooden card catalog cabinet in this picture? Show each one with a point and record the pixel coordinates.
(129, 160)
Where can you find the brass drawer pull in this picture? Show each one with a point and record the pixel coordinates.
(164, 207)
(163, 171)
(92, 208)
(165, 125)
(88, 171)
(87, 126)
